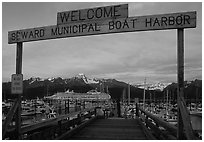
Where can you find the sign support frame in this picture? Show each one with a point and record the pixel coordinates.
(19, 53)
(183, 116)
(180, 80)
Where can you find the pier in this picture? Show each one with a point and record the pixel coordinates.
(101, 123)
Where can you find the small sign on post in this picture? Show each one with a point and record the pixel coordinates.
(136, 100)
(17, 84)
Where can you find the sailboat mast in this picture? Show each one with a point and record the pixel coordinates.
(47, 90)
(107, 90)
(128, 94)
(144, 94)
(100, 87)
(124, 96)
(167, 102)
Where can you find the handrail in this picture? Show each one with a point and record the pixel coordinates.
(171, 128)
(70, 133)
(9, 117)
(186, 120)
(51, 121)
(145, 130)
(54, 125)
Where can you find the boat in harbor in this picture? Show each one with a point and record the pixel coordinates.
(36, 110)
(91, 95)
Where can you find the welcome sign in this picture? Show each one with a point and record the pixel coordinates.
(69, 28)
(91, 14)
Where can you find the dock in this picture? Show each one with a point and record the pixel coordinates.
(97, 123)
(111, 129)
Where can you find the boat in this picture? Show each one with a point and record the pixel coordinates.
(91, 95)
(6, 104)
(52, 114)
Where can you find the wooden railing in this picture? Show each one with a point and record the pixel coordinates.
(185, 115)
(53, 128)
(157, 126)
(160, 128)
(9, 117)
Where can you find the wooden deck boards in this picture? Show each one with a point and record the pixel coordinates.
(111, 129)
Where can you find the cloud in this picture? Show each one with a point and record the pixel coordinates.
(124, 56)
(135, 6)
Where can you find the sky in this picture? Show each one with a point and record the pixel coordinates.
(129, 57)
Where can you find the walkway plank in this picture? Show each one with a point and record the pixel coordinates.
(111, 129)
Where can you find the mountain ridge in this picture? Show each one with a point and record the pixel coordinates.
(38, 87)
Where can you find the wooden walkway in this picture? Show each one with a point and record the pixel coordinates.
(111, 129)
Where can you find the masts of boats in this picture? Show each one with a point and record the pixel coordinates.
(128, 94)
(167, 103)
(144, 94)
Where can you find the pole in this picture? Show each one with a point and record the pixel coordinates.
(144, 94)
(68, 106)
(65, 106)
(84, 104)
(19, 52)
(196, 102)
(167, 103)
(128, 94)
(180, 79)
(151, 109)
(76, 105)
(123, 97)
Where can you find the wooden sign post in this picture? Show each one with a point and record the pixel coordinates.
(19, 53)
(183, 116)
(180, 80)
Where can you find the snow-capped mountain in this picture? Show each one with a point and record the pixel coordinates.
(34, 79)
(84, 79)
(87, 80)
(156, 86)
(80, 77)
(38, 87)
(51, 79)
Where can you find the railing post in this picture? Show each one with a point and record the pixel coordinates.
(95, 112)
(79, 118)
(137, 110)
(68, 106)
(84, 104)
(60, 127)
(65, 107)
(146, 119)
(76, 105)
(80, 105)
(9, 117)
(60, 108)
